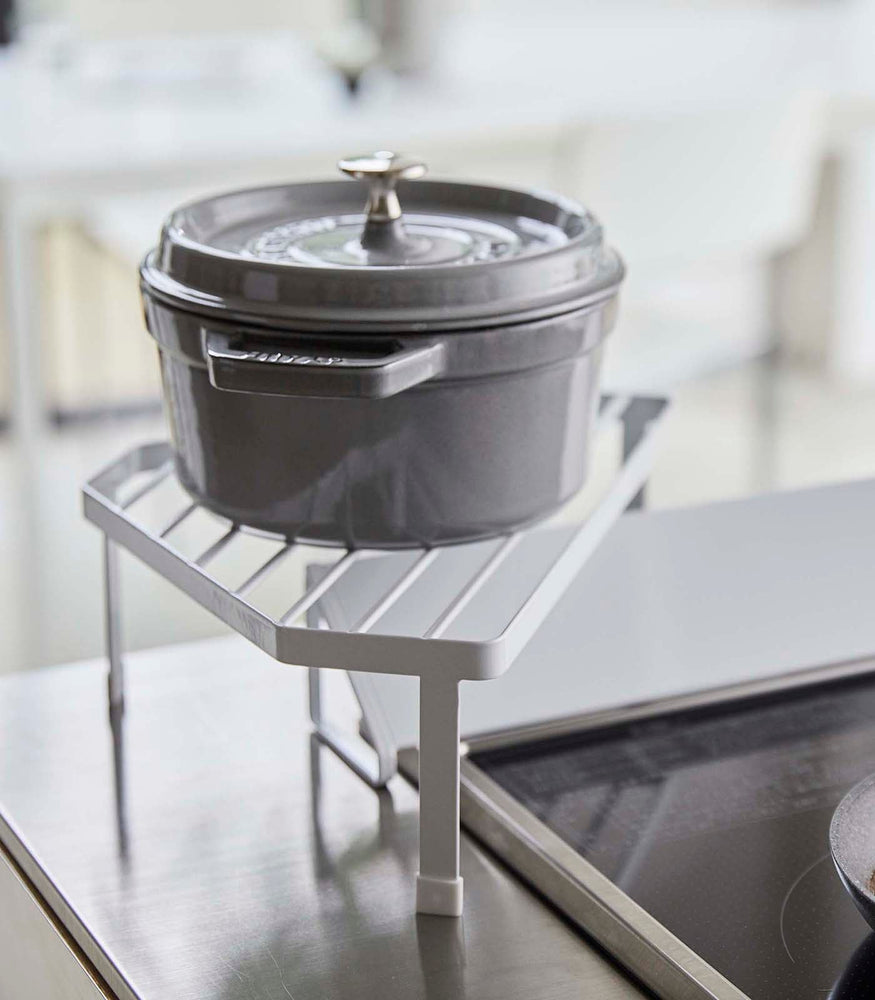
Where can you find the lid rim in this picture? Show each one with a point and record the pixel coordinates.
(319, 319)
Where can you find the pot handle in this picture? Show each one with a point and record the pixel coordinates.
(287, 368)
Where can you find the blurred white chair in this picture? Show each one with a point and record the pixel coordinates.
(698, 204)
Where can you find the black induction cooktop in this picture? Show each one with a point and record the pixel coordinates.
(715, 821)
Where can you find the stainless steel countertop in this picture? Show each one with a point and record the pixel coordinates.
(248, 863)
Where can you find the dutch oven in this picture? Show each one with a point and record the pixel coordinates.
(369, 378)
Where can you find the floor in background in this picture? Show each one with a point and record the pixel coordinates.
(750, 430)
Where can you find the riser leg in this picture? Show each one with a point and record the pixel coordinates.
(116, 679)
(438, 883)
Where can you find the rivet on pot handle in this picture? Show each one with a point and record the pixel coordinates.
(303, 369)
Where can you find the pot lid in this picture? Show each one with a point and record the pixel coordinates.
(389, 250)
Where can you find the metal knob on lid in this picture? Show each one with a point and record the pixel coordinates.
(384, 233)
(382, 170)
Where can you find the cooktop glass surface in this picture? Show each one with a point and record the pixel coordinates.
(716, 821)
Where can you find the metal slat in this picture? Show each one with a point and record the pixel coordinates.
(612, 411)
(447, 617)
(263, 570)
(177, 520)
(324, 585)
(160, 475)
(216, 547)
(401, 587)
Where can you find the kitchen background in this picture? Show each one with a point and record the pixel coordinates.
(727, 145)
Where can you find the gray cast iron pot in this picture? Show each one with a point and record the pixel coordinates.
(435, 404)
